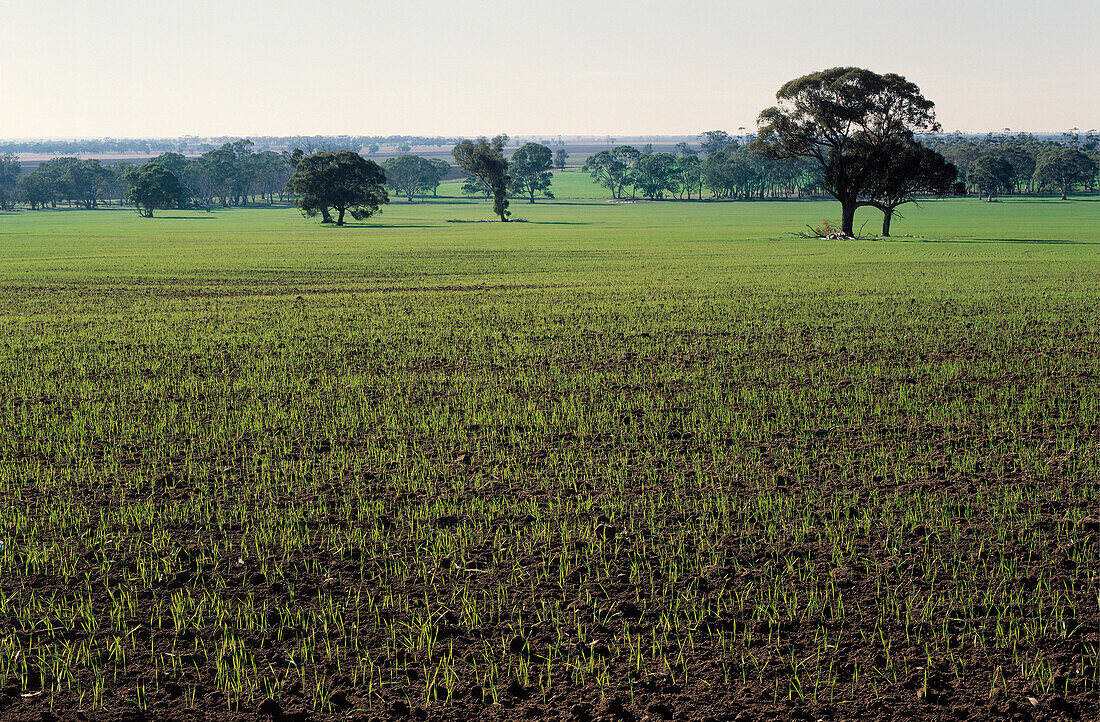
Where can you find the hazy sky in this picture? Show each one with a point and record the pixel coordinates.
(128, 68)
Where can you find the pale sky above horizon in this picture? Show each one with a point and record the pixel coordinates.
(146, 68)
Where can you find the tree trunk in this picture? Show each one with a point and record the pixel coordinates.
(326, 217)
(1065, 191)
(887, 215)
(499, 206)
(847, 217)
(532, 195)
(340, 218)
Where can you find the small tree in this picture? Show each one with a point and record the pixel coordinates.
(990, 173)
(1062, 167)
(530, 170)
(560, 157)
(86, 181)
(409, 174)
(655, 174)
(35, 189)
(909, 168)
(343, 181)
(152, 186)
(685, 150)
(440, 170)
(612, 168)
(690, 170)
(9, 176)
(713, 141)
(485, 161)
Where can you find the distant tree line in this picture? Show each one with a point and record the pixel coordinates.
(232, 175)
(721, 166)
(1020, 164)
(190, 144)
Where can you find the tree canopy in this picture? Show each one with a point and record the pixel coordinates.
(908, 168)
(655, 174)
(484, 160)
(530, 170)
(1062, 167)
(343, 181)
(844, 119)
(86, 182)
(153, 186)
(9, 176)
(611, 168)
(713, 141)
(990, 173)
(412, 174)
(560, 156)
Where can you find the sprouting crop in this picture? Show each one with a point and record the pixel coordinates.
(603, 476)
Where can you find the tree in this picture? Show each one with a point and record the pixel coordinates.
(910, 168)
(153, 186)
(485, 161)
(35, 189)
(991, 173)
(690, 170)
(843, 118)
(606, 170)
(86, 181)
(474, 187)
(725, 172)
(559, 159)
(270, 172)
(441, 169)
(228, 171)
(628, 156)
(685, 150)
(612, 168)
(1062, 167)
(55, 172)
(409, 174)
(656, 174)
(118, 186)
(713, 141)
(292, 157)
(343, 181)
(530, 170)
(181, 168)
(9, 175)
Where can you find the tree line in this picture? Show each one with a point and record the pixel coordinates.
(1023, 164)
(721, 165)
(848, 133)
(190, 144)
(235, 175)
(232, 175)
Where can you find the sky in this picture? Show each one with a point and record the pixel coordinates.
(150, 68)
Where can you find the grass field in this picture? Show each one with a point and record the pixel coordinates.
(619, 461)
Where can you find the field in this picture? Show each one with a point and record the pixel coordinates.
(619, 461)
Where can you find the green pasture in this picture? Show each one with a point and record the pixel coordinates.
(958, 245)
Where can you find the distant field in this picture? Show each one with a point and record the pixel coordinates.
(661, 460)
(572, 184)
